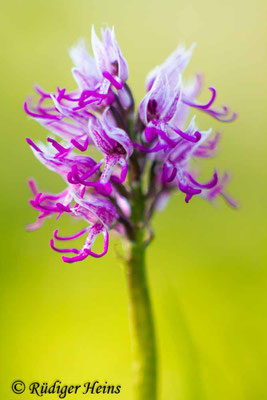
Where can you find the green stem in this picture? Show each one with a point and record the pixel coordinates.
(141, 318)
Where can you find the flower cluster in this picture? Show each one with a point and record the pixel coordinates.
(158, 142)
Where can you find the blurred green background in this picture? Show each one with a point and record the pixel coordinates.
(207, 265)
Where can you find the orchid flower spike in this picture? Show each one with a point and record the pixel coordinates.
(113, 161)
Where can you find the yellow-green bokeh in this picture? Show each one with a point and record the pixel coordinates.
(207, 265)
